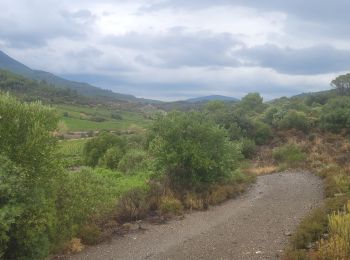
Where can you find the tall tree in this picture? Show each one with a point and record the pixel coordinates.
(342, 84)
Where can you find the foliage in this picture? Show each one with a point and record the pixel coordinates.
(29, 162)
(342, 84)
(260, 132)
(83, 117)
(72, 152)
(133, 205)
(290, 154)
(295, 119)
(248, 147)
(31, 90)
(116, 115)
(336, 114)
(191, 150)
(111, 158)
(338, 244)
(133, 161)
(96, 148)
(170, 205)
(252, 102)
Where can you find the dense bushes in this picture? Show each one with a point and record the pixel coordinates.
(41, 204)
(289, 154)
(96, 148)
(133, 161)
(336, 114)
(338, 244)
(191, 150)
(29, 180)
(295, 119)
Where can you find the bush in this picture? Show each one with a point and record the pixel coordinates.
(116, 116)
(295, 120)
(191, 150)
(289, 154)
(90, 234)
(133, 161)
(10, 200)
(260, 132)
(29, 171)
(96, 147)
(111, 158)
(338, 245)
(248, 147)
(170, 205)
(132, 205)
(98, 119)
(336, 114)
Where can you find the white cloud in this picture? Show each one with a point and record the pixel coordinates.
(171, 49)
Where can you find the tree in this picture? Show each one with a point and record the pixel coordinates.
(191, 150)
(252, 102)
(28, 174)
(96, 148)
(342, 84)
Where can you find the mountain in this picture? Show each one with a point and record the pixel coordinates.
(212, 98)
(10, 64)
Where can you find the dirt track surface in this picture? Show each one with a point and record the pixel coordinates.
(254, 226)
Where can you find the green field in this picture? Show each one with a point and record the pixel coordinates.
(84, 118)
(72, 151)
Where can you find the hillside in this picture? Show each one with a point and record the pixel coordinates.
(212, 98)
(10, 64)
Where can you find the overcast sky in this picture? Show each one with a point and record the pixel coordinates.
(175, 49)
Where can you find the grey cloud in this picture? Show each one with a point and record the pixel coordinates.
(179, 47)
(313, 60)
(312, 16)
(35, 26)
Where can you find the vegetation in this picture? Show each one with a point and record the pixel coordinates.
(56, 194)
(191, 150)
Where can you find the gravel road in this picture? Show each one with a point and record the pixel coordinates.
(254, 226)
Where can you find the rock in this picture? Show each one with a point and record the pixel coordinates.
(287, 233)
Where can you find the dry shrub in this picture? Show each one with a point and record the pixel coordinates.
(132, 205)
(218, 195)
(262, 170)
(75, 246)
(169, 205)
(338, 245)
(193, 201)
(90, 234)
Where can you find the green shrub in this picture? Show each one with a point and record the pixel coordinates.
(295, 120)
(191, 150)
(260, 132)
(10, 200)
(116, 116)
(98, 119)
(336, 114)
(133, 161)
(310, 229)
(248, 147)
(29, 171)
(289, 154)
(111, 158)
(96, 147)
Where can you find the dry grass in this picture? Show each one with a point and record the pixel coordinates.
(262, 170)
(75, 246)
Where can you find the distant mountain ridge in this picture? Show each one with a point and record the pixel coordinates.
(212, 98)
(85, 89)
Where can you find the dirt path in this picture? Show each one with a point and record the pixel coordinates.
(254, 226)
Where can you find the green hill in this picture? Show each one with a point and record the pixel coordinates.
(10, 64)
